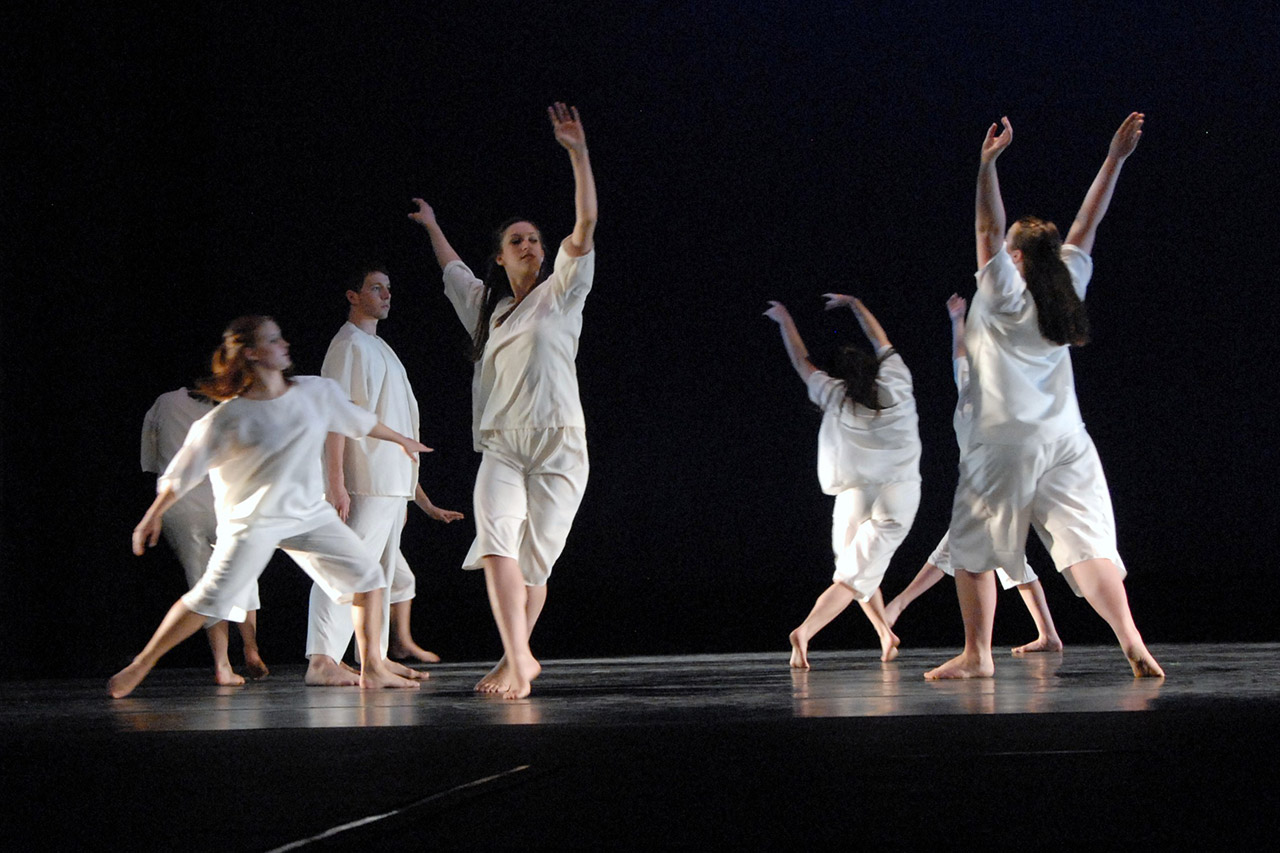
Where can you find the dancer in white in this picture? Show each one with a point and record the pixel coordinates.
(527, 417)
(192, 525)
(369, 483)
(869, 458)
(939, 562)
(261, 450)
(1030, 460)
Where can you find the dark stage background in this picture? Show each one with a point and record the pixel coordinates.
(172, 168)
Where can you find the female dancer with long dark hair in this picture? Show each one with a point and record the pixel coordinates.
(1030, 461)
(261, 450)
(869, 458)
(527, 416)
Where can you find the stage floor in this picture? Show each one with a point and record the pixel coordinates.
(1057, 749)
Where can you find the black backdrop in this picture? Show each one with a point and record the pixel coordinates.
(172, 168)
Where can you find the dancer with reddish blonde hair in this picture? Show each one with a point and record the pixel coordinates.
(261, 450)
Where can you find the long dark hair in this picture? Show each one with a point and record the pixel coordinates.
(859, 369)
(232, 371)
(497, 286)
(1062, 314)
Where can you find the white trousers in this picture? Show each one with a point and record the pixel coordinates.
(378, 522)
(326, 550)
(191, 529)
(528, 490)
(1058, 488)
(941, 558)
(867, 526)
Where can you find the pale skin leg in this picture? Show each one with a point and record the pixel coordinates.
(219, 637)
(510, 599)
(254, 666)
(402, 645)
(1102, 586)
(977, 595)
(375, 671)
(1047, 639)
(178, 624)
(829, 605)
(495, 681)
(874, 610)
(920, 584)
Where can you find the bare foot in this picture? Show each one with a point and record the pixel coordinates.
(123, 682)
(1143, 664)
(1041, 644)
(892, 611)
(889, 643)
(409, 650)
(520, 682)
(226, 677)
(495, 681)
(376, 679)
(799, 650)
(406, 672)
(964, 666)
(324, 671)
(254, 667)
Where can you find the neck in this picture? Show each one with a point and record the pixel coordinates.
(363, 322)
(521, 289)
(267, 384)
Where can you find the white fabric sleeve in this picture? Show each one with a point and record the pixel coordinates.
(345, 416)
(1000, 282)
(895, 379)
(1079, 265)
(960, 372)
(571, 277)
(151, 440)
(826, 392)
(343, 364)
(190, 465)
(465, 292)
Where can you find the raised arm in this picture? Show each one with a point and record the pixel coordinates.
(426, 217)
(956, 307)
(989, 219)
(870, 326)
(796, 350)
(569, 133)
(1098, 198)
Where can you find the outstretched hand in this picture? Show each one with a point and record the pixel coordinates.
(1126, 138)
(424, 215)
(777, 312)
(995, 143)
(412, 448)
(956, 306)
(838, 300)
(567, 126)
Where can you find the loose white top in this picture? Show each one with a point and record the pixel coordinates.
(263, 456)
(1023, 389)
(858, 446)
(526, 378)
(367, 369)
(962, 420)
(164, 429)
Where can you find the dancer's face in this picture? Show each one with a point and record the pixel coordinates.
(522, 251)
(374, 297)
(270, 349)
